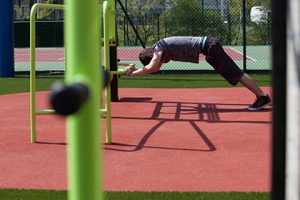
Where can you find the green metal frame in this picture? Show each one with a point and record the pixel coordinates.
(109, 31)
(107, 109)
(33, 111)
(109, 40)
(83, 46)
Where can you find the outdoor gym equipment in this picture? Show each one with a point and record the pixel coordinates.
(83, 82)
(107, 10)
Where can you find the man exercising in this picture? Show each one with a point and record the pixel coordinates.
(187, 49)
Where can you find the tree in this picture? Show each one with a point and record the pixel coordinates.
(144, 16)
(184, 18)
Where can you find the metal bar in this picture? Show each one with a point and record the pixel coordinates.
(108, 40)
(292, 178)
(244, 36)
(123, 64)
(118, 72)
(106, 24)
(32, 86)
(32, 73)
(45, 112)
(83, 61)
(103, 110)
(279, 57)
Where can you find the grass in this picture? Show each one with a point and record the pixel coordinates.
(185, 81)
(21, 84)
(43, 83)
(14, 194)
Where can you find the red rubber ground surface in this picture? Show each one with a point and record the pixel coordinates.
(164, 140)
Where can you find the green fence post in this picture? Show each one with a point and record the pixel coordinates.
(244, 36)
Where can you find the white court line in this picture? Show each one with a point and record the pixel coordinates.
(250, 58)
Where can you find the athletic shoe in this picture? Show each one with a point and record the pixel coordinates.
(260, 102)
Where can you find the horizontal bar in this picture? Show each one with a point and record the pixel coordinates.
(49, 6)
(45, 112)
(124, 64)
(103, 110)
(118, 72)
(52, 112)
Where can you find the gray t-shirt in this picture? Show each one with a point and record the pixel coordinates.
(179, 48)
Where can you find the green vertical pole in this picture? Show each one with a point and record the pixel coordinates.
(32, 73)
(244, 35)
(83, 65)
(106, 28)
(112, 21)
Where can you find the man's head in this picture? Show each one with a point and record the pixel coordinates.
(146, 56)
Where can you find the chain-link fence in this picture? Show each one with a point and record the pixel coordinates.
(243, 28)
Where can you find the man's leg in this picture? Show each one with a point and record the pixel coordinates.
(224, 65)
(249, 83)
(262, 99)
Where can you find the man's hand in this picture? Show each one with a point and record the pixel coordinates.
(129, 69)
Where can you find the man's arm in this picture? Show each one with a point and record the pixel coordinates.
(152, 67)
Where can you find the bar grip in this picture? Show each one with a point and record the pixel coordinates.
(67, 99)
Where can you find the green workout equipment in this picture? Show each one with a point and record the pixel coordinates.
(33, 111)
(83, 59)
(108, 40)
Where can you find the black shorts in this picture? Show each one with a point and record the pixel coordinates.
(220, 61)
